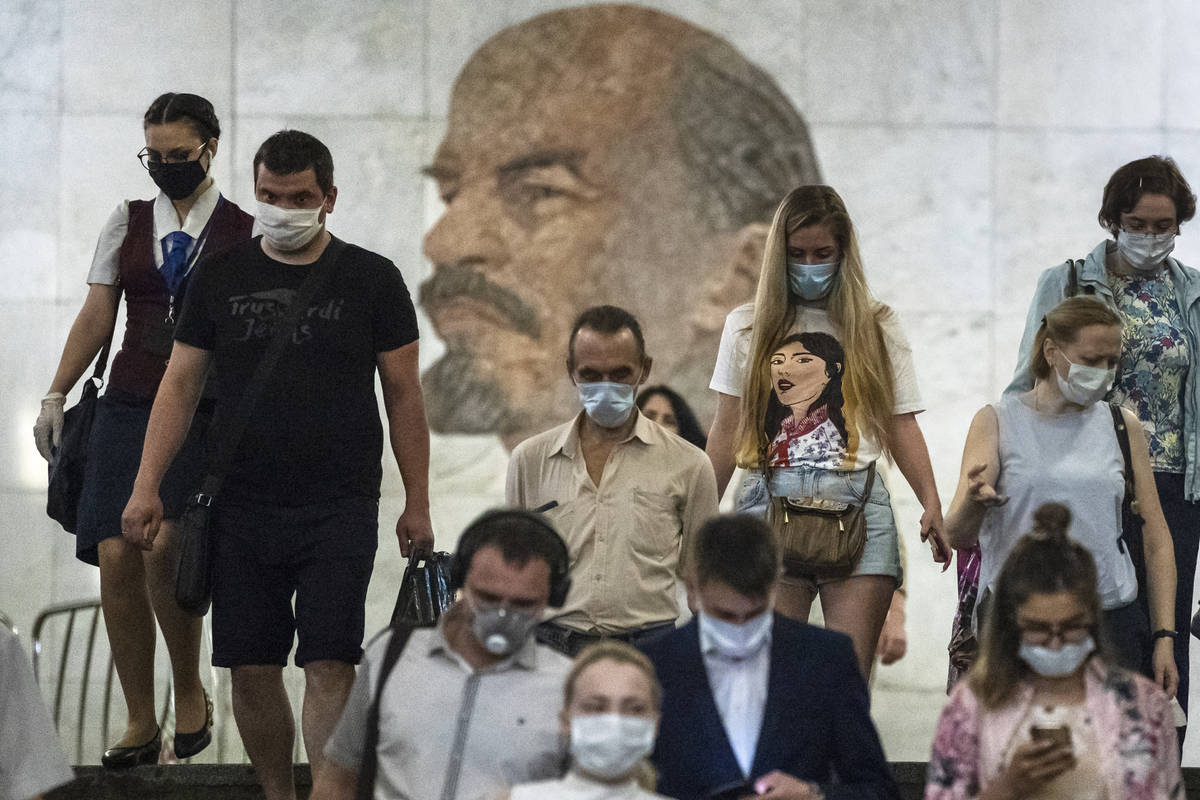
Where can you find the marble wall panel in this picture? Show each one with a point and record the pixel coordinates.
(900, 63)
(29, 188)
(329, 57)
(1182, 31)
(1080, 63)
(117, 55)
(33, 335)
(31, 55)
(920, 201)
(39, 567)
(1047, 193)
(1006, 341)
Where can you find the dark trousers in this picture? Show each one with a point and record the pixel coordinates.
(569, 641)
(1129, 633)
(1183, 519)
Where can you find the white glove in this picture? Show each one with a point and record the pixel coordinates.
(47, 430)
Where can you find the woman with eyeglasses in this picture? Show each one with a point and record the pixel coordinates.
(1045, 712)
(1158, 298)
(146, 251)
(1058, 442)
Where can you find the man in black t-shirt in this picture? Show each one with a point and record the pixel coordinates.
(298, 510)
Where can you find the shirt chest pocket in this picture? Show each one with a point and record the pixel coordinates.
(650, 520)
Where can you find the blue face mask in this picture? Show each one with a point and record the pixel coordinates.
(608, 404)
(1056, 663)
(811, 281)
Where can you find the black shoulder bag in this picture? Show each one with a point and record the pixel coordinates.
(1131, 541)
(193, 574)
(69, 461)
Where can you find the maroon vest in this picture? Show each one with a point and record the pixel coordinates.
(139, 366)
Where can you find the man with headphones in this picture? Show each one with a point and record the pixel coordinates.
(625, 493)
(470, 707)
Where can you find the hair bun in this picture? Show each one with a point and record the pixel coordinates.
(1052, 520)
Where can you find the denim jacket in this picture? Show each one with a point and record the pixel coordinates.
(1051, 290)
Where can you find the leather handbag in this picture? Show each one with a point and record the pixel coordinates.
(820, 538)
(425, 591)
(193, 567)
(68, 462)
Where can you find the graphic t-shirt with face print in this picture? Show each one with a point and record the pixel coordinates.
(809, 419)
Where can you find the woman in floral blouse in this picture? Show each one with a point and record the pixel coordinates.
(1044, 713)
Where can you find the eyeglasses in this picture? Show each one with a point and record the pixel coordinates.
(1039, 633)
(152, 158)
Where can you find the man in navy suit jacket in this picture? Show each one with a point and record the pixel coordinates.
(755, 703)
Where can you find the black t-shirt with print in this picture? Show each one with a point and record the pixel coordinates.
(315, 433)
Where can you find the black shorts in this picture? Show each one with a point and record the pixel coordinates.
(322, 553)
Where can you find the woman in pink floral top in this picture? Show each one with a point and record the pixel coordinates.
(1044, 713)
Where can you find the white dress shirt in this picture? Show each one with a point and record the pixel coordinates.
(739, 687)
(105, 267)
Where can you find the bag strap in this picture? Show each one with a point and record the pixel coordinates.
(227, 446)
(1128, 502)
(1072, 277)
(1123, 441)
(102, 359)
(369, 765)
(870, 483)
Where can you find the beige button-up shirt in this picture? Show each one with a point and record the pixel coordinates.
(624, 535)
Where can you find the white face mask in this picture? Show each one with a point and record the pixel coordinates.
(1145, 251)
(610, 746)
(1085, 385)
(608, 403)
(737, 641)
(1056, 663)
(287, 229)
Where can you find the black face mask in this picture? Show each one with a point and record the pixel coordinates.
(177, 181)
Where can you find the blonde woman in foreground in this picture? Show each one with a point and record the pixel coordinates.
(611, 705)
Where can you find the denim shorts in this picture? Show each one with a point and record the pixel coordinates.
(881, 554)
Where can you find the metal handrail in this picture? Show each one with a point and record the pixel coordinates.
(71, 610)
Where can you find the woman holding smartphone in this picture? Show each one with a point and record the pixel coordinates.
(1045, 711)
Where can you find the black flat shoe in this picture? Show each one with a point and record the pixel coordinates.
(133, 756)
(189, 744)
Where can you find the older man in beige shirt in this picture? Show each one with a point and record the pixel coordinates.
(623, 492)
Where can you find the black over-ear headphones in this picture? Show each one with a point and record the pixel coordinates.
(482, 528)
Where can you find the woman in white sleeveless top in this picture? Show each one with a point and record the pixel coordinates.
(1057, 443)
(611, 705)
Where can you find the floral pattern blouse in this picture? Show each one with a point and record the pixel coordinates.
(1132, 718)
(1155, 358)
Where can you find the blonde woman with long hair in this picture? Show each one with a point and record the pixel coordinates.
(816, 416)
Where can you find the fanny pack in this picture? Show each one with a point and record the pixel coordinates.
(818, 537)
